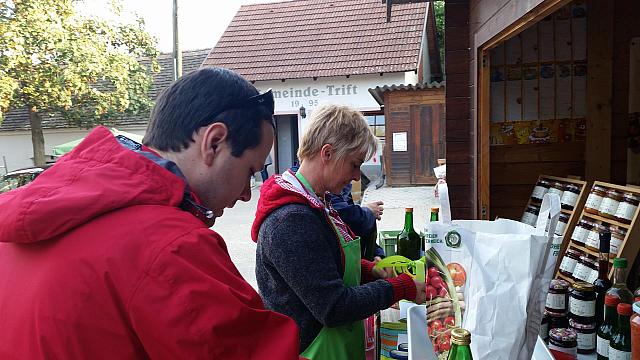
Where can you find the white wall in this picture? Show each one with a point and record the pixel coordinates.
(16, 146)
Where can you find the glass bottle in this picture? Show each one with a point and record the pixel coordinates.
(605, 329)
(460, 340)
(409, 243)
(636, 295)
(602, 283)
(434, 214)
(620, 343)
(619, 287)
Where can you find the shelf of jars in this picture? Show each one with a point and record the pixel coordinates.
(572, 193)
(608, 208)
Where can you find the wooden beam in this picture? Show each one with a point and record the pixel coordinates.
(599, 89)
(484, 96)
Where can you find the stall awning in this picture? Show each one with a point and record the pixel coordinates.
(378, 91)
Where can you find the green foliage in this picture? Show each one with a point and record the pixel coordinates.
(53, 59)
(438, 9)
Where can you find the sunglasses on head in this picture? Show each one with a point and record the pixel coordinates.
(265, 99)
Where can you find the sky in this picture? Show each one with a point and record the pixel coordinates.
(201, 22)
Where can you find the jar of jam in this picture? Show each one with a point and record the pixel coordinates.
(541, 188)
(563, 341)
(586, 335)
(581, 231)
(557, 296)
(627, 208)
(594, 200)
(557, 188)
(570, 197)
(610, 204)
(593, 239)
(582, 302)
(569, 261)
(617, 238)
(557, 320)
(530, 216)
(584, 268)
(593, 275)
(563, 221)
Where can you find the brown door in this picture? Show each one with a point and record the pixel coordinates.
(428, 142)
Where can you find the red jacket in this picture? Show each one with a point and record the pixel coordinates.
(97, 261)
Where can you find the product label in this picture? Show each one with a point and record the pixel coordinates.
(593, 201)
(603, 347)
(582, 307)
(593, 276)
(626, 211)
(556, 191)
(538, 192)
(593, 239)
(569, 198)
(581, 272)
(609, 206)
(614, 245)
(529, 218)
(568, 264)
(560, 228)
(579, 234)
(586, 341)
(556, 301)
(615, 354)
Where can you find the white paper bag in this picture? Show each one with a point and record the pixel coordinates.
(507, 267)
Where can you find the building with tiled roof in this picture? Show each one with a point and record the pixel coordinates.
(311, 52)
(15, 131)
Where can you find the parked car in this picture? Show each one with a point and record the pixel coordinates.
(17, 178)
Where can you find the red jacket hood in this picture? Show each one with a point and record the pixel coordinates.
(274, 193)
(98, 176)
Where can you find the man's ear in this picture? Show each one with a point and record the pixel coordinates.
(213, 139)
(326, 153)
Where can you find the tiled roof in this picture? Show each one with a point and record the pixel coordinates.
(319, 38)
(378, 91)
(191, 60)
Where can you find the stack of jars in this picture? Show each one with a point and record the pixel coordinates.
(568, 193)
(582, 315)
(555, 309)
(612, 204)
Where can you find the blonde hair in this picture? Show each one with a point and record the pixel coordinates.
(342, 127)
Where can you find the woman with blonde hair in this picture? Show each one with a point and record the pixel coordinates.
(308, 263)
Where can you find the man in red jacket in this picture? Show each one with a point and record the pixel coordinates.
(109, 255)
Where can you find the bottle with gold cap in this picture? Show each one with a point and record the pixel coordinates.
(460, 340)
(434, 214)
(409, 243)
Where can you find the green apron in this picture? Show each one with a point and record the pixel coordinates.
(344, 342)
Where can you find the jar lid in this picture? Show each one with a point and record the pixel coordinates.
(555, 313)
(543, 182)
(581, 326)
(618, 231)
(583, 286)
(586, 223)
(624, 309)
(558, 185)
(572, 187)
(611, 300)
(573, 252)
(564, 217)
(600, 227)
(620, 263)
(636, 307)
(612, 192)
(598, 188)
(631, 196)
(559, 284)
(586, 258)
(562, 334)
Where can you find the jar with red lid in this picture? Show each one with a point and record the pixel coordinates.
(541, 188)
(581, 231)
(635, 332)
(610, 204)
(570, 197)
(593, 239)
(557, 188)
(569, 262)
(584, 268)
(594, 200)
(627, 208)
(557, 296)
(557, 320)
(586, 333)
(617, 238)
(563, 342)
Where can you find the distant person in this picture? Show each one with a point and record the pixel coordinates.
(308, 261)
(265, 172)
(109, 255)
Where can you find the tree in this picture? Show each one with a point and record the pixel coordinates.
(438, 10)
(55, 60)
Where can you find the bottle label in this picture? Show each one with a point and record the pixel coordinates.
(593, 239)
(569, 198)
(582, 307)
(593, 276)
(626, 211)
(615, 354)
(586, 341)
(556, 301)
(593, 201)
(581, 272)
(538, 192)
(579, 234)
(609, 206)
(603, 347)
(568, 264)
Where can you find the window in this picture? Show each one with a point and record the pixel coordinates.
(376, 122)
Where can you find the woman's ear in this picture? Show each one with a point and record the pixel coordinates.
(213, 139)
(326, 153)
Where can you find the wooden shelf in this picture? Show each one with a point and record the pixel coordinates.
(565, 211)
(584, 249)
(605, 220)
(564, 180)
(564, 277)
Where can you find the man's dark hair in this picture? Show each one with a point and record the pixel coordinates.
(201, 98)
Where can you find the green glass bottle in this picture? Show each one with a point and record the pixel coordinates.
(460, 340)
(619, 287)
(409, 242)
(434, 214)
(620, 343)
(604, 330)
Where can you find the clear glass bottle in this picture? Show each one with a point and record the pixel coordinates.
(619, 287)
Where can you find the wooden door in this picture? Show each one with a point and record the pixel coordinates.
(428, 142)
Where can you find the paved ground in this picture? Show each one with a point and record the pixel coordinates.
(235, 225)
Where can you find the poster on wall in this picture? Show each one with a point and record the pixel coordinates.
(400, 141)
(633, 152)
